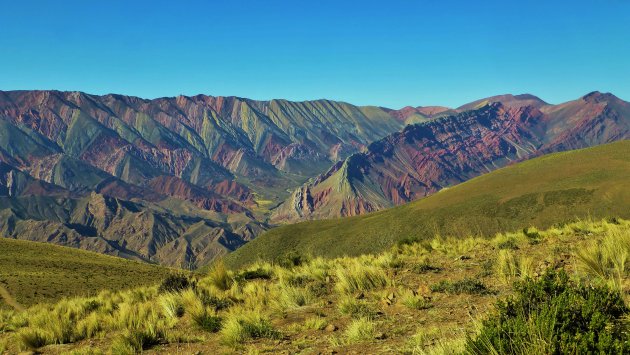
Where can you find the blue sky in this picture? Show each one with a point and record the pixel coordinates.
(391, 53)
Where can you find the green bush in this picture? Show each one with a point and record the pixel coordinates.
(254, 274)
(424, 268)
(291, 259)
(553, 315)
(210, 300)
(175, 283)
(467, 286)
(508, 244)
(207, 322)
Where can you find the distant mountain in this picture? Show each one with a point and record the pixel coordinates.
(175, 180)
(182, 180)
(552, 189)
(424, 158)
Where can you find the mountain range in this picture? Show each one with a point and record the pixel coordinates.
(478, 138)
(551, 190)
(182, 180)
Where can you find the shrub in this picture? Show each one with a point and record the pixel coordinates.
(556, 316)
(210, 300)
(258, 273)
(467, 286)
(531, 233)
(508, 244)
(424, 267)
(359, 330)
(175, 283)
(359, 277)
(291, 259)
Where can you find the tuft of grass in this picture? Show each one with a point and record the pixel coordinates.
(141, 338)
(208, 322)
(360, 330)
(606, 262)
(359, 277)
(433, 341)
(315, 323)
(294, 297)
(220, 277)
(467, 286)
(88, 327)
(355, 308)
(121, 346)
(413, 300)
(32, 338)
(172, 305)
(242, 325)
(508, 268)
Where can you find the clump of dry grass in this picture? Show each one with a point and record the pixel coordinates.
(413, 300)
(242, 324)
(606, 261)
(360, 277)
(360, 330)
(508, 267)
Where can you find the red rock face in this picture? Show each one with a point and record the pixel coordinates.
(425, 158)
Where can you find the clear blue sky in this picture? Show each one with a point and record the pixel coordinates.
(391, 53)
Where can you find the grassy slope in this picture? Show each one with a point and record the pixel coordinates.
(401, 301)
(38, 272)
(540, 192)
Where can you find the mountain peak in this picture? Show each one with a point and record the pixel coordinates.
(507, 100)
(597, 96)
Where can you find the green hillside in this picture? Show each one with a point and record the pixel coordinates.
(38, 272)
(552, 189)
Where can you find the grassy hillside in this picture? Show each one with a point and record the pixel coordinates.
(434, 297)
(37, 272)
(540, 192)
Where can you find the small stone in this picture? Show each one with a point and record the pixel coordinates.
(331, 328)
